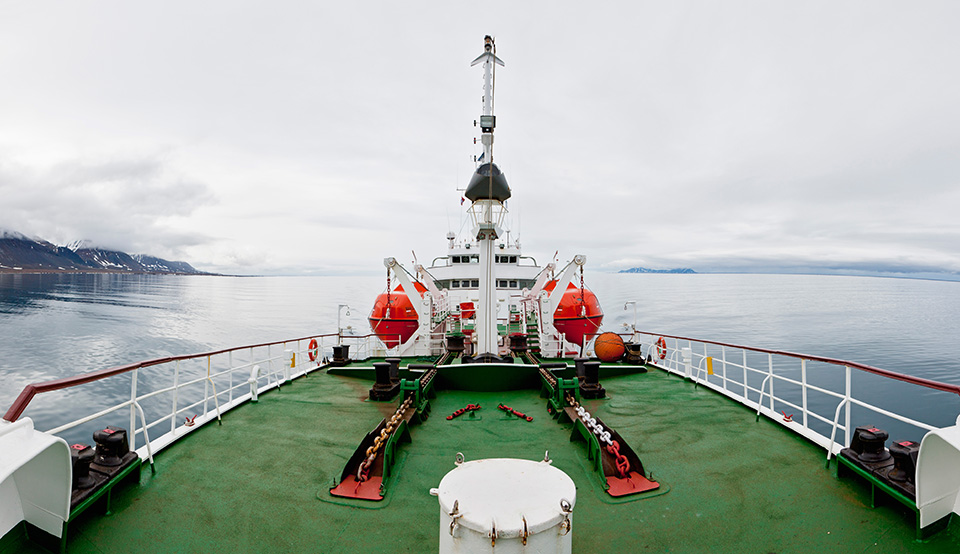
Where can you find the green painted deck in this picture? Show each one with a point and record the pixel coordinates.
(258, 483)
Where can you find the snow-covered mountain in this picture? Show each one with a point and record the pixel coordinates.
(647, 270)
(21, 253)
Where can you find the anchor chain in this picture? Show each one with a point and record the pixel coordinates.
(583, 301)
(387, 313)
(549, 377)
(427, 377)
(381, 439)
(603, 435)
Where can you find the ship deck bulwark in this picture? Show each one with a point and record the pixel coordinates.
(259, 482)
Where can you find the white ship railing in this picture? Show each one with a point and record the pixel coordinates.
(785, 388)
(170, 397)
(174, 395)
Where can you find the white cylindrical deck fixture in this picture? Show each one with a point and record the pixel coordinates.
(686, 354)
(506, 505)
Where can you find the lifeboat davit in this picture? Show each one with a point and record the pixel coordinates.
(577, 314)
(393, 317)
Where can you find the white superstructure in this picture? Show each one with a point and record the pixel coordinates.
(484, 287)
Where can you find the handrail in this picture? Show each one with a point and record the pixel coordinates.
(946, 387)
(33, 389)
(825, 438)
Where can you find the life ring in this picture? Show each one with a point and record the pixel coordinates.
(312, 350)
(661, 348)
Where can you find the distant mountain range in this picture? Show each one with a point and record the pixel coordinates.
(19, 253)
(647, 270)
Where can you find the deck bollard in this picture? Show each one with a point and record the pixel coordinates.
(394, 369)
(384, 388)
(590, 384)
(341, 355)
(579, 364)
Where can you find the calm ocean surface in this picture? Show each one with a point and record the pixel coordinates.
(59, 325)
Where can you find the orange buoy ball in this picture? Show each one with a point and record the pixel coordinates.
(609, 347)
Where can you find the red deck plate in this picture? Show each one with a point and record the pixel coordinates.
(350, 488)
(631, 485)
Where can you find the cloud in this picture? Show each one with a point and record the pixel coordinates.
(323, 137)
(122, 202)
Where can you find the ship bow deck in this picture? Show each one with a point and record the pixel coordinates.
(260, 481)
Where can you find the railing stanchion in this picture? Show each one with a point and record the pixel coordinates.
(760, 400)
(206, 396)
(230, 375)
(146, 436)
(833, 431)
(216, 400)
(132, 437)
(803, 390)
(770, 371)
(287, 353)
(847, 396)
(705, 356)
(176, 398)
(745, 390)
(723, 361)
(299, 354)
(270, 367)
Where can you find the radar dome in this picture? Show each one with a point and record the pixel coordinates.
(488, 183)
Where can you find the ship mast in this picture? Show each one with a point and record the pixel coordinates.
(487, 191)
(488, 121)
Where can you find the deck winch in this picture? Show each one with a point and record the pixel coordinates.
(81, 456)
(112, 446)
(867, 449)
(905, 455)
(902, 475)
(97, 470)
(895, 468)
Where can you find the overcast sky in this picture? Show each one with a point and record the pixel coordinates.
(319, 137)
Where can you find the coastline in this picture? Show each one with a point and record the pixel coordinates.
(34, 271)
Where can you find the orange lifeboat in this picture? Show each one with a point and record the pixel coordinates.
(393, 317)
(577, 314)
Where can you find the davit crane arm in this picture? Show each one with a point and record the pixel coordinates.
(420, 304)
(549, 302)
(553, 301)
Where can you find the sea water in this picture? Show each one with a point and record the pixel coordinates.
(59, 325)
